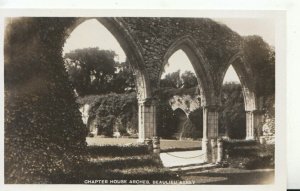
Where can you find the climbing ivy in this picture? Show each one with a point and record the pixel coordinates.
(44, 133)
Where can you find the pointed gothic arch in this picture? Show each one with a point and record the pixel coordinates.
(132, 50)
(200, 64)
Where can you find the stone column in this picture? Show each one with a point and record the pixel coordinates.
(220, 150)
(147, 119)
(253, 121)
(156, 145)
(210, 133)
(250, 125)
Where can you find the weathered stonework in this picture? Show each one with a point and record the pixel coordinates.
(84, 110)
(35, 77)
(187, 103)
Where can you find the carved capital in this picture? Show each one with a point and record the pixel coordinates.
(212, 108)
(147, 101)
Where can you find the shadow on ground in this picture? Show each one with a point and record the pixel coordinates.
(234, 176)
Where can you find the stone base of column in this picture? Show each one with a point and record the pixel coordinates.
(250, 138)
(206, 149)
(220, 151)
(141, 140)
(156, 145)
(149, 143)
(209, 146)
(214, 150)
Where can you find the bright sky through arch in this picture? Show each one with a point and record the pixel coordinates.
(92, 33)
(178, 61)
(231, 76)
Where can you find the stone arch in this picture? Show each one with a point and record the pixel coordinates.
(147, 109)
(248, 80)
(182, 109)
(246, 77)
(118, 29)
(200, 64)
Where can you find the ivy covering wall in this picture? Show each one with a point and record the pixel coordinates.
(44, 134)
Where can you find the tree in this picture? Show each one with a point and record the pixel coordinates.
(172, 80)
(232, 114)
(261, 57)
(189, 79)
(123, 80)
(90, 70)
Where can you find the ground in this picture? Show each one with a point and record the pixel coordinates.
(231, 176)
(164, 144)
(160, 168)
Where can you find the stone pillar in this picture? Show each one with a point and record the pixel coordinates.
(210, 133)
(147, 119)
(220, 150)
(156, 145)
(250, 125)
(253, 123)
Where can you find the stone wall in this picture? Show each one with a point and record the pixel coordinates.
(187, 103)
(156, 35)
(44, 133)
(41, 115)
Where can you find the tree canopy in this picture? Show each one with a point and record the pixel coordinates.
(95, 71)
(174, 80)
(232, 114)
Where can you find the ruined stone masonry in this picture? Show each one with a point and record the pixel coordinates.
(36, 82)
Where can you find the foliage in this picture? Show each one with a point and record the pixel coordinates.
(44, 133)
(189, 79)
(110, 108)
(262, 57)
(118, 150)
(190, 130)
(249, 154)
(94, 71)
(232, 114)
(172, 80)
(166, 93)
(268, 125)
(90, 69)
(117, 162)
(165, 119)
(196, 118)
(123, 81)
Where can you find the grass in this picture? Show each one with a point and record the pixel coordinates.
(130, 161)
(249, 154)
(117, 162)
(118, 150)
(165, 145)
(231, 176)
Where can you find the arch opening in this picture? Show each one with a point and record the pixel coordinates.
(199, 64)
(110, 66)
(247, 82)
(232, 119)
(181, 94)
(124, 42)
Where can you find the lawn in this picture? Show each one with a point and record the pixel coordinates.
(166, 145)
(124, 159)
(227, 176)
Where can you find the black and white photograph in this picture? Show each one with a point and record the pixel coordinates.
(133, 99)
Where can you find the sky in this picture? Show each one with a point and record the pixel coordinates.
(93, 34)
